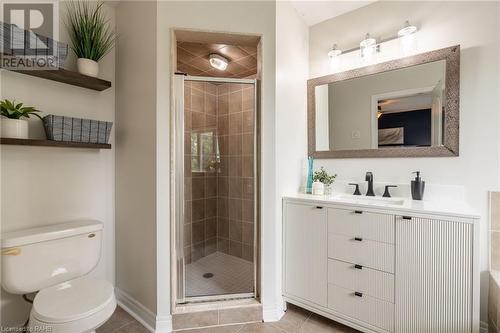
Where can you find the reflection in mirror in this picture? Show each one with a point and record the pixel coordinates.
(410, 118)
(397, 108)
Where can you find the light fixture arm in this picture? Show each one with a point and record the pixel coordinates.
(376, 45)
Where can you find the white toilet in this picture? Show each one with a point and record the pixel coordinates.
(54, 260)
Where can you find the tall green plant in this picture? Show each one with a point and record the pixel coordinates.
(89, 30)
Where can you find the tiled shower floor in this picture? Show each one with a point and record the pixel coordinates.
(231, 275)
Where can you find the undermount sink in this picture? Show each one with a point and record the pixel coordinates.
(371, 200)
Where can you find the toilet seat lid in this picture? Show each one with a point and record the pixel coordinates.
(72, 300)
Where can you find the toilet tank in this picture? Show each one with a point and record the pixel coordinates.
(37, 258)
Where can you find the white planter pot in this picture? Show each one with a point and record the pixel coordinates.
(14, 128)
(87, 67)
(318, 188)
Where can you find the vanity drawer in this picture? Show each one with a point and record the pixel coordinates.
(363, 279)
(356, 223)
(371, 310)
(364, 252)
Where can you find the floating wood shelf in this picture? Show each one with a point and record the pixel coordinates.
(69, 77)
(51, 143)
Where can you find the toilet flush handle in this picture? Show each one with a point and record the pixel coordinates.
(14, 251)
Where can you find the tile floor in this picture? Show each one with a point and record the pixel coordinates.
(231, 275)
(295, 320)
(121, 322)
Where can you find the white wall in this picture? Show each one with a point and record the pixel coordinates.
(292, 51)
(474, 25)
(43, 185)
(136, 149)
(165, 107)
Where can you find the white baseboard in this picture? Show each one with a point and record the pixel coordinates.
(164, 324)
(272, 313)
(155, 324)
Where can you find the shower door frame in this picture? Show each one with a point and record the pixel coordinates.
(177, 180)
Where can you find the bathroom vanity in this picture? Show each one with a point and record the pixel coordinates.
(382, 265)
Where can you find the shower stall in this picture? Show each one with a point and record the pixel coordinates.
(215, 188)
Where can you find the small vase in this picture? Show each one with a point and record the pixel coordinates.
(14, 128)
(318, 188)
(87, 67)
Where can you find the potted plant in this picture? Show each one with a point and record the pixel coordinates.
(90, 33)
(13, 123)
(322, 176)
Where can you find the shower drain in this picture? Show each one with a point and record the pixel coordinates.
(208, 275)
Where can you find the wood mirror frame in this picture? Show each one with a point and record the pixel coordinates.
(451, 107)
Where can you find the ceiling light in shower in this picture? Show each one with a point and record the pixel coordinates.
(218, 62)
(334, 52)
(407, 29)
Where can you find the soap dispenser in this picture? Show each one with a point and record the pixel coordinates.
(417, 187)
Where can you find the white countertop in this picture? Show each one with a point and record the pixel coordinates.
(402, 205)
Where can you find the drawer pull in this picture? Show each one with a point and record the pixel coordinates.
(358, 212)
(319, 207)
(406, 217)
(357, 293)
(359, 239)
(358, 266)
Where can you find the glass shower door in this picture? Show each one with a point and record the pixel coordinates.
(217, 233)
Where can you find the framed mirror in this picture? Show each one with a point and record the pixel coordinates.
(407, 107)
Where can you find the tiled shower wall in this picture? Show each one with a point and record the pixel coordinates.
(235, 197)
(219, 174)
(200, 176)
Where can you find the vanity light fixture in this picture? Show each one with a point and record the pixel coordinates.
(407, 29)
(334, 52)
(218, 61)
(368, 46)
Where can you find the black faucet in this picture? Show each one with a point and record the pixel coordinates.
(369, 179)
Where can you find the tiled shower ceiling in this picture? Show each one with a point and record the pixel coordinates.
(192, 59)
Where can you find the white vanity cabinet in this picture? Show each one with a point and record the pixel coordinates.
(381, 269)
(361, 265)
(434, 270)
(305, 252)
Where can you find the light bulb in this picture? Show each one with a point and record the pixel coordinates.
(334, 52)
(218, 62)
(368, 41)
(368, 47)
(407, 29)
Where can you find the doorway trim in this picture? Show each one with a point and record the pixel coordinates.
(177, 193)
(218, 79)
(392, 94)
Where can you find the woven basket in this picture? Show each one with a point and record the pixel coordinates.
(61, 128)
